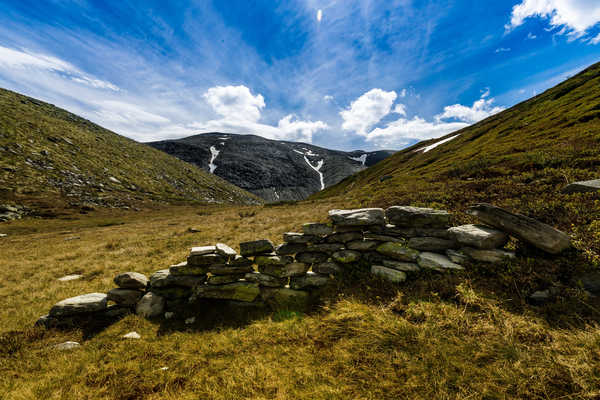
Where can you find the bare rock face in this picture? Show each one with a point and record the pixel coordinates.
(479, 236)
(582, 187)
(536, 233)
(359, 217)
(86, 303)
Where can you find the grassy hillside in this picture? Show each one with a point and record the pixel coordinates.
(520, 158)
(50, 158)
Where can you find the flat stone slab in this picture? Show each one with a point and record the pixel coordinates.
(273, 260)
(437, 262)
(309, 280)
(325, 247)
(327, 268)
(287, 249)
(240, 261)
(225, 250)
(150, 305)
(529, 230)
(223, 279)
(344, 237)
(131, 280)
(200, 260)
(256, 247)
(389, 274)
(346, 256)
(164, 278)
(85, 303)
(201, 250)
(294, 237)
(457, 256)
(184, 268)
(479, 236)
(67, 346)
(417, 217)
(491, 256)
(431, 244)
(72, 277)
(362, 245)
(284, 271)
(358, 217)
(401, 266)
(265, 280)
(227, 269)
(239, 291)
(317, 229)
(582, 187)
(311, 257)
(125, 297)
(398, 251)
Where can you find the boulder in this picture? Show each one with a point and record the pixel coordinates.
(437, 262)
(124, 297)
(398, 251)
(184, 268)
(164, 278)
(256, 247)
(293, 237)
(287, 299)
(265, 280)
(223, 279)
(359, 217)
(225, 250)
(239, 291)
(346, 256)
(290, 248)
(309, 280)
(529, 230)
(431, 244)
(401, 266)
(327, 268)
(316, 229)
(85, 303)
(389, 274)
(457, 256)
(417, 217)
(131, 280)
(344, 237)
(204, 260)
(362, 245)
(479, 236)
(582, 187)
(491, 256)
(311, 257)
(150, 305)
(227, 269)
(201, 250)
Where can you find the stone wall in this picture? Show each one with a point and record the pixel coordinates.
(396, 244)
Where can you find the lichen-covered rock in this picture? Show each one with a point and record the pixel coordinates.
(389, 274)
(225, 251)
(325, 247)
(431, 244)
(131, 280)
(164, 278)
(344, 237)
(479, 236)
(491, 256)
(287, 299)
(287, 249)
(150, 305)
(417, 217)
(293, 237)
(309, 280)
(228, 269)
(202, 260)
(401, 266)
(437, 262)
(284, 271)
(256, 247)
(358, 217)
(398, 251)
(327, 268)
(362, 245)
(85, 303)
(239, 261)
(240, 291)
(316, 229)
(125, 297)
(273, 260)
(346, 256)
(223, 279)
(184, 269)
(311, 257)
(265, 280)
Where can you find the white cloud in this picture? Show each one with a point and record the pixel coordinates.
(481, 109)
(531, 36)
(367, 110)
(235, 102)
(319, 15)
(327, 98)
(400, 109)
(575, 17)
(503, 49)
(595, 40)
(119, 112)
(403, 93)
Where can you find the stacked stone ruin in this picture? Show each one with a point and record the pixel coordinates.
(394, 244)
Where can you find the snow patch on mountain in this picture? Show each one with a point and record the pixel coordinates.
(318, 169)
(362, 159)
(213, 155)
(433, 146)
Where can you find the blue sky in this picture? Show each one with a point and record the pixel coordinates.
(343, 74)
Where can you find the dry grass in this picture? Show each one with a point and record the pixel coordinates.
(441, 336)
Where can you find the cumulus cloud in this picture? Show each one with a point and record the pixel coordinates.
(367, 110)
(400, 109)
(575, 17)
(481, 109)
(241, 112)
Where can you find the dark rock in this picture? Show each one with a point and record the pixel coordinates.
(265, 279)
(310, 257)
(205, 260)
(309, 280)
(327, 268)
(389, 274)
(491, 256)
(125, 297)
(184, 269)
(165, 278)
(150, 305)
(227, 269)
(316, 229)
(431, 244)
(256, 247)
(417, 217)
(344, 237)
(239, 291)
(287, 299)
(223, 279)
(297, 238)
(290, 248)
(398, 251)
(346, 256)
(85, 303)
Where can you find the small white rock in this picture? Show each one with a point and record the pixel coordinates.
(190, 320)
(163, 369)
(169, 314)
(71, 277)
(67, 346)
(3, 235)
(132, 335)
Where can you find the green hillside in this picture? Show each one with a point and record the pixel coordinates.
(52, 159)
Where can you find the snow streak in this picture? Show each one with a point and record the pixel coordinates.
(213, 155)
(318, 169)
(362, 159)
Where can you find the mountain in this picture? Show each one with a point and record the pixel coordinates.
(272, 169)
(522, 158)
(50, 158)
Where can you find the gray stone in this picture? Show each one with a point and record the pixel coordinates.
(311, 257)
(67, 346)
(398, 251)
(131, 280)
(431, 244)
(590, 282)
(536, 233)
(239, 261)
(358, 217)
(362, 245)
(344, 237)
(327, 268)
(240, 291)
(389, 274)
(201, 250)
(273, 260)
(309, 280)
(541, 297)
(325, 247)
(373, 257)
(201, 260)
(125, 297)
(479, 236)
(256, 247)
(382, 238)
(284, 271)
(164, 278)
(582, 187)
(491, 256)
(437, 262)
(417, 217)
(265, 280)
(72, 277)
(225, 250)
(290, 248)
(223, 279)
(293, 237)
(457, 256)
(150, 305)
(316, 229)
(173, 293)
(350, 228)
(346, 256)
(401, 266)
(184, 269)
(287, 299)
(227, 269)
(85, 303)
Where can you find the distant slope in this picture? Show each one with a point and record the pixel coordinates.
(521, 157)
(50, 157)
(272, 169)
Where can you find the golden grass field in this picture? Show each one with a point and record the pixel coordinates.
(465, 336)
